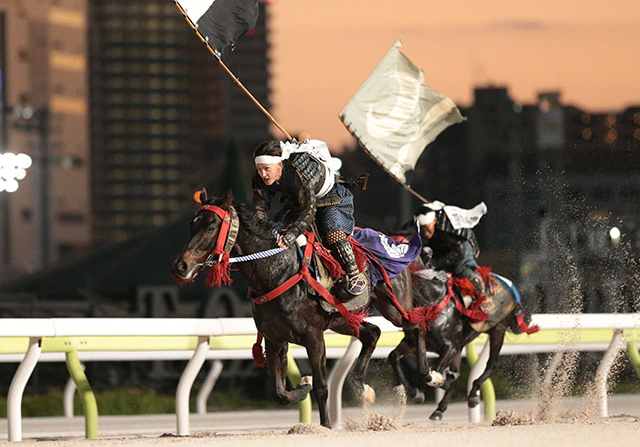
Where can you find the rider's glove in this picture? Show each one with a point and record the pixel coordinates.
(290, 236)
(427, 254)
(441, 276)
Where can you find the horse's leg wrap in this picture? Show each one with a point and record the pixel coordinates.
(341, 248)
(435, 379)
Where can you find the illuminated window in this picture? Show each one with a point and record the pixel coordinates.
(611, 136)
(159, 220)
(636, 134)
(587, 134)
(636, 118)
(610, 120)
(586, 119)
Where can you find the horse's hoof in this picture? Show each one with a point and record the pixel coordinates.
(419, 397)
(368, 395)
(473, 401)
(435, 379)
(436, 415)
(306, 381)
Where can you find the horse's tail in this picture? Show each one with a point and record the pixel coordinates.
(520, 322)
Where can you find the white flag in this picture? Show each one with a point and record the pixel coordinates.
(395, 115)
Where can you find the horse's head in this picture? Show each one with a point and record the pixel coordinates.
(212, 233)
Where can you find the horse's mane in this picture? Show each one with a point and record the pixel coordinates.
(258, 227)
(253, 225)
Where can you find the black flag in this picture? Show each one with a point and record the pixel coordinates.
(221, 22)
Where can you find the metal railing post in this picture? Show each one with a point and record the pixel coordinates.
(16, 389)
(293, 372)
(186, 381)
(67, 398)
(207, 386)
(634, 356)
(336, 381)
(478, 365)
(88, 399)
(602, 373)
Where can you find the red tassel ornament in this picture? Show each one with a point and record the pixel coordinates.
(220, 273)
(258, 354)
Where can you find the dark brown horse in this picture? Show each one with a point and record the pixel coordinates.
(447, 336)
(295, 316)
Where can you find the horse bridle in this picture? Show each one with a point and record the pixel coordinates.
(226, 235)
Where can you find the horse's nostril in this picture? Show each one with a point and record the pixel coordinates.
(181, 266)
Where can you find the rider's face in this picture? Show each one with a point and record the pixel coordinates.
(427, 230)
(269, 172)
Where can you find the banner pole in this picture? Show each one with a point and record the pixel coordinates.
(236, 80)
(407, 187)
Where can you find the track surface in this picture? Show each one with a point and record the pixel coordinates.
(269, 428)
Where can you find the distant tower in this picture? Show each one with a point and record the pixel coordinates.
(163, 111)
(550, 133)
(43, 50)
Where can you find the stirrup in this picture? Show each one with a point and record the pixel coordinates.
(356, 284)
(477, 282)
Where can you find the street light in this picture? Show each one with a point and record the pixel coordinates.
(34, 120)
(13, 167)
(614, 234)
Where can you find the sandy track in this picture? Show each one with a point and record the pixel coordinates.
(620, 431)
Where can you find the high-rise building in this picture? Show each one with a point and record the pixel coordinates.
(163, 112)
(565, 215)
(45, 115)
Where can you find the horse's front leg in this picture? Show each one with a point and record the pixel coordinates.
(421, 351)
(369, 335)
(496, 338)
(314, 343)
(277, 361)
(452, 374)
(405, 350)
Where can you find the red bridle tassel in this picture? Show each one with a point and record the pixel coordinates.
(220, 273)
(258, 355)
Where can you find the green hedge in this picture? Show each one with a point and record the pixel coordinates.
(131, 400)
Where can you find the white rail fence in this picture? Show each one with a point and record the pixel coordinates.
(77, 340)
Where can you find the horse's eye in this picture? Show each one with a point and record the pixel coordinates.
(211, 229)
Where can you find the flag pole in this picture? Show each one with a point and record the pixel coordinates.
(236, 80)
(404, 185)
(366, 151)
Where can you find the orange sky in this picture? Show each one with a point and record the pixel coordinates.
(322, 51)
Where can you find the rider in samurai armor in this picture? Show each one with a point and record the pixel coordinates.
(305, 175)
(449, 241)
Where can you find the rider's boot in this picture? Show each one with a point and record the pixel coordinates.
(356, 283)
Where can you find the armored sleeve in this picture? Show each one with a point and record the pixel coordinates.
(474, 244)
(261, 198)
(448, 251)
(306, 179)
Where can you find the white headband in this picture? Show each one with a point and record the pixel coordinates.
(425, 219)
(267, 159)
